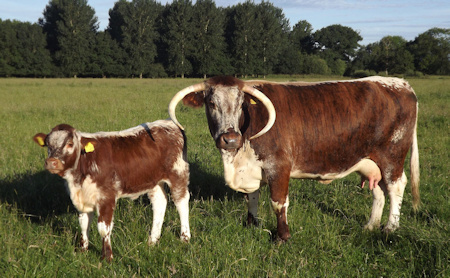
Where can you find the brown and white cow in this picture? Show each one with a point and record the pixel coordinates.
(100, 168)
(322, 131)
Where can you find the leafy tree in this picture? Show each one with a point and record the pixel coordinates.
(210, 47)
(271, 37)
(242, 37)
(178, 37)
(108, 58)
(133, 25)
(340, 40)
(301, 37)
(70, 26)
(23, 50)
(431, 51)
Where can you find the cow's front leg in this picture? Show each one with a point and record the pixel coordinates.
(105, 226)
(158, 198)
(279, 189)
(252, 205)
(85, 220)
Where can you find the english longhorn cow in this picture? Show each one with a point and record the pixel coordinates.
(101, 167)
(321, 130)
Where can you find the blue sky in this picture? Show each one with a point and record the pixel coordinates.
(373, 19)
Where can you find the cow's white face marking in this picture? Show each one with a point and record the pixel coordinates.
(225, 108)
(242, 171)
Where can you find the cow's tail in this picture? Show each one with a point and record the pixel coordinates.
(414, 168)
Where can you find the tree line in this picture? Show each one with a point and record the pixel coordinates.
(147, 39)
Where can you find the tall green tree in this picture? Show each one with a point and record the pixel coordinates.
(271, 37)
(391, 55)
(301, 36)
(342, 41)
(210, 48)
(242, 32)
(70, 26)
(23, 50)
(133, 25)
(178, 37)
(431, 51)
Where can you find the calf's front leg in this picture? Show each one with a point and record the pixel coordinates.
(85, 219)
(105, 226)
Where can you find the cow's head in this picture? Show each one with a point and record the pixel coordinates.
(224, 98)
(64, 146)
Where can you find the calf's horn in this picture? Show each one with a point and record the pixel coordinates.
(179, 96)
(267, 103)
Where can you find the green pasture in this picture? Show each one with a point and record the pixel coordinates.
(39, 229)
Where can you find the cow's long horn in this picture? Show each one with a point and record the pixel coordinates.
(179, 96)
(267, 103)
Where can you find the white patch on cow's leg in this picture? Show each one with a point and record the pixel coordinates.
(85, 220)
(396, 190)
(252, 205)
(182, 205)
(158, 199)
(377, 208)
(277, 207)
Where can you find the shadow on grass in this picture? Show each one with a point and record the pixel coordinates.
(38, 196)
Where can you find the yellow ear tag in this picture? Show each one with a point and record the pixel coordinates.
(252, 101)
(89, 147)
(40, 141)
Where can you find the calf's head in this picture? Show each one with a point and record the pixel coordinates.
(223, 98)
(64, 147)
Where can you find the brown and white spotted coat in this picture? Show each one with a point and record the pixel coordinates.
(100, 168)
(322, 131)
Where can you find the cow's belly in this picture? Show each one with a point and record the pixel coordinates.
(365, 167)
(243, 171)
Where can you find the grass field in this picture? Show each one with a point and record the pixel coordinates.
(39, 228)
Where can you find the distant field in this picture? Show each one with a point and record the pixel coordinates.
(39, 229)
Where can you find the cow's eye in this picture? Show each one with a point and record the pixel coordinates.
(211, 104)
(70, 145)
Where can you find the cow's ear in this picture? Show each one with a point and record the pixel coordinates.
(88, 145)
(40, 139)
(250, 99)
(195, 100)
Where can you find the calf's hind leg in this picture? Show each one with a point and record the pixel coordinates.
(158, 198)
(180, 195)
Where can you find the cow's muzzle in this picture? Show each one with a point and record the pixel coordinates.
(230, 140)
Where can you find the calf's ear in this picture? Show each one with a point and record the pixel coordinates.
(40, 139)
(88, 145)
(195, 100)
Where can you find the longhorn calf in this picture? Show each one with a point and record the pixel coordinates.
(322, 131)
(100, 168)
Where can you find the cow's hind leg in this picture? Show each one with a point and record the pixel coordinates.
(158, 198)
(377, 207)
(396, 190)
(252, 205)
(85, 220)
(180, 195)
